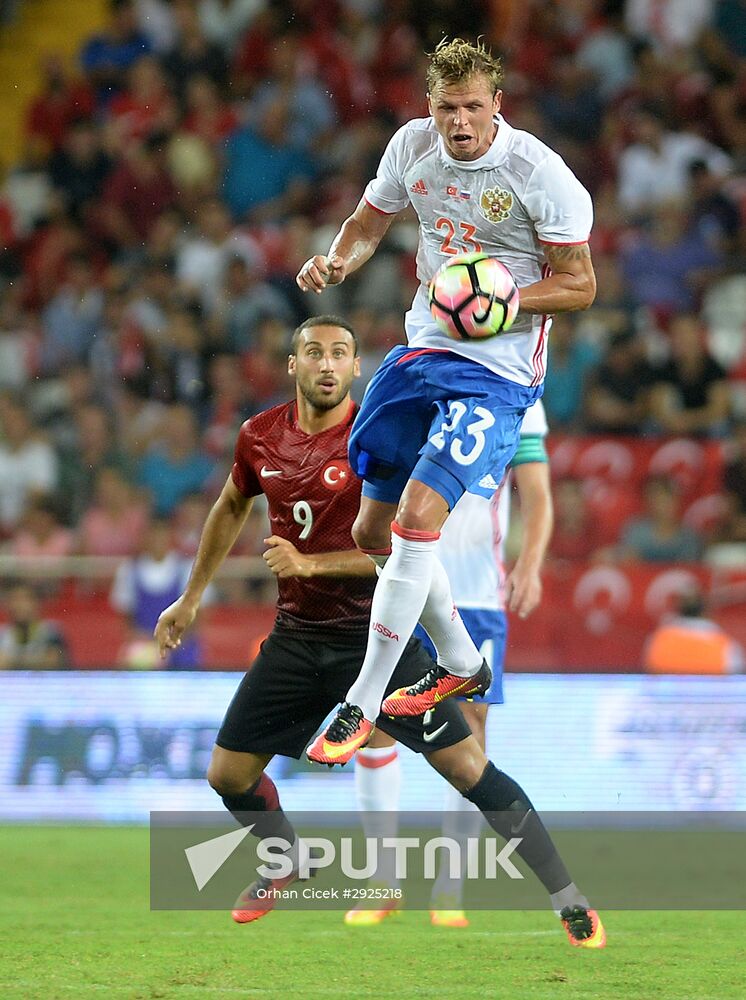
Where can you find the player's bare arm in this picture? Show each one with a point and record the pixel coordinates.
(571, 285)
(222, 527)
(285, 560)
(523, 585)
(355, 243)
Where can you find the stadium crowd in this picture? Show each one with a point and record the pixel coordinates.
(175, 177)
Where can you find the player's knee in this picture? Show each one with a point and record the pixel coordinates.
(230, 781)
(461, 765)
(370, 535)
(421, 508)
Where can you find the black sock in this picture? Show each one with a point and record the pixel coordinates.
(263, 803)
(509, 811)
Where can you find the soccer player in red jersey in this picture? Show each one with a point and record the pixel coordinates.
(296, 454)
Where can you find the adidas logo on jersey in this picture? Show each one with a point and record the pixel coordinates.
(488, 483)
(419, 187)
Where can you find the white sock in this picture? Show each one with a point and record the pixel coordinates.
(397, 604)
(377, 787)
(442, 622)
(461, 821)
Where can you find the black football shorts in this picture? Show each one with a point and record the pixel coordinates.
(298, 679)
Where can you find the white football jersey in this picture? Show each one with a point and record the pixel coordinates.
(519, 195)
(472, 540)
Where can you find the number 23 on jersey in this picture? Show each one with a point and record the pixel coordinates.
(462, 235)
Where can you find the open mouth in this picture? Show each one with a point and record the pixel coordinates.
(327, 384)
(461, 139)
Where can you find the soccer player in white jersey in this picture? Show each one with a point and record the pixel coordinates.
(471, 548)
(442, 417)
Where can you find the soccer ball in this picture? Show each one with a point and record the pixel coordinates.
(473, 297)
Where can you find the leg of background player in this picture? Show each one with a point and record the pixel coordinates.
(240, 781)
(377, 787)
(461, 820)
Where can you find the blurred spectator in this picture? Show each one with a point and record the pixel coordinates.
(79, 168)
(266, 177)
(689, 393)
(71, 320)
(136, 194)
(654, 168)
(175, 465)
(570, 104)
(575, 537)
(691, 643)
(310, 113)
(667, 265)
(242, 303)
(28, 642)
(61, 103)
(93, 448)
(224, 21)
(40, 534)
(616, 399)
(232, 399)
(606, 51)
(114, 525)
(714, 214)
(734, 485)
(107, 57)
(188, 522)
(143, 587)
(17, 341)
(570, 360)
(27, 461)
(155, 19)
(146, 106)
(207, 115)
(139, 418)
(669, 24)
(202, 258)
(659, 536)
(193, 54)
(724, 42)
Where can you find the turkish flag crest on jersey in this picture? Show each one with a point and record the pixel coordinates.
(336, 475)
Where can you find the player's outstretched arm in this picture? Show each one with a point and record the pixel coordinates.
(523, 585)
(222, 527)
(285, 560)
(355, 242)
(570, 286)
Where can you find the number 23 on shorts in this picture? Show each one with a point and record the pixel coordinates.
(466, 448)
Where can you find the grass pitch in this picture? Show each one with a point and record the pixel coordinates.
(76, 924)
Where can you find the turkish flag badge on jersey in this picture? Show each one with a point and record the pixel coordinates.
(336, 475)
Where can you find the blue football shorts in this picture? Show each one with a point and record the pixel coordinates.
(489, 631)
(437, 417)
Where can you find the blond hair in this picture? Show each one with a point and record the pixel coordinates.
(458, 60)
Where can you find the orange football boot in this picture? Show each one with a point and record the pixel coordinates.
(584, 927)
(347, 732)
(250, 905)
(437, 685)
(358, 916)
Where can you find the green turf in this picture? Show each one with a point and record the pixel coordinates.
(75, 923)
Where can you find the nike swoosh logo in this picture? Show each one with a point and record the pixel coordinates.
(517, 829)
(337, 751)
(265, 473)
(429, 737)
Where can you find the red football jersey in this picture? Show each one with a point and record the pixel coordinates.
(313, 498)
